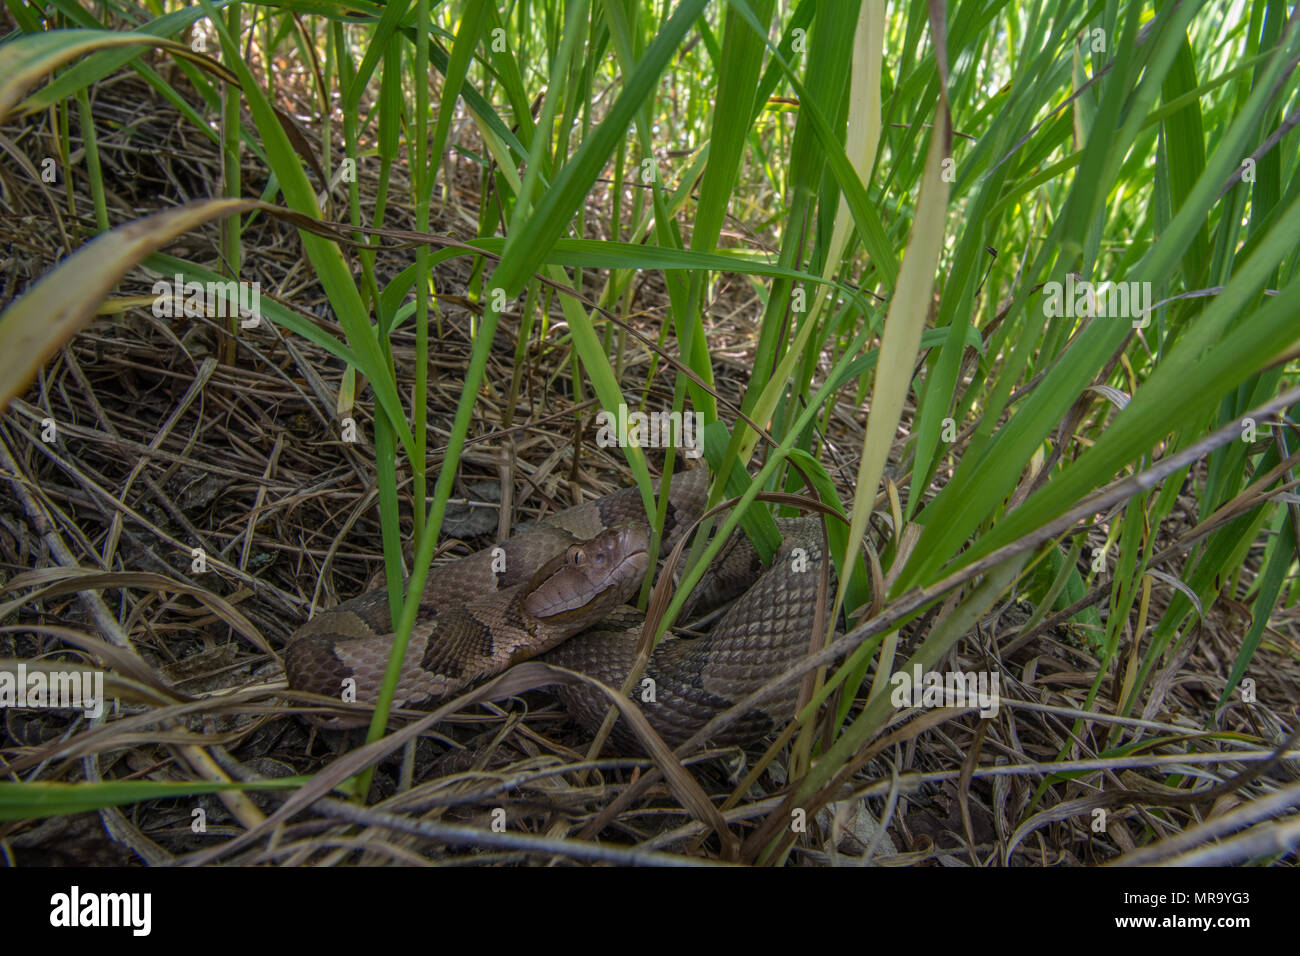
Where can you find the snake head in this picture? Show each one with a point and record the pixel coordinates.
(591, 578)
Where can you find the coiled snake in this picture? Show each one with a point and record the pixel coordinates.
(558, 589)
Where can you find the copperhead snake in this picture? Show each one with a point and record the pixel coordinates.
(559, 589)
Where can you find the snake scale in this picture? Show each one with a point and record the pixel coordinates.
(558, 589)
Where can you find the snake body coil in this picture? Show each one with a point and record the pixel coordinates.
(557, 589)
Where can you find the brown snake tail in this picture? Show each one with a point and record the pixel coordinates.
(558, 588)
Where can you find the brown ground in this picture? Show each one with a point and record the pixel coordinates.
(162, 447)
